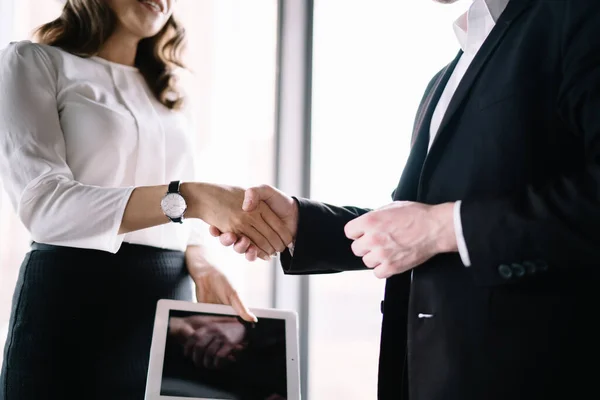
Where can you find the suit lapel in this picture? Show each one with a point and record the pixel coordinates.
(409, 182)
(513, 10)
(423, 122)
(407, 187)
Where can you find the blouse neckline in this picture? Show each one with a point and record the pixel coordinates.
(114, 64)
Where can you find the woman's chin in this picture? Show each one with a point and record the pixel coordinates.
(148, 28)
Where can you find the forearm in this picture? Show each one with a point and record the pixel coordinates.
(143, 209)
(321, 245)
(68, 213)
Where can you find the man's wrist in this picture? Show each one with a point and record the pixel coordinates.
(461, 244)
(295, 220)
(443, 215)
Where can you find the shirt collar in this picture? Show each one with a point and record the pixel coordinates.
(473, 27)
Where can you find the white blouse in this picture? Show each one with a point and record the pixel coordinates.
(76, 136)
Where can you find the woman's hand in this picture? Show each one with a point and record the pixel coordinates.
(221, 206)
(212, 286)
(284, 206)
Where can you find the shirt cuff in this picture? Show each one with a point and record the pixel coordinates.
(460, 238)
(114, 240)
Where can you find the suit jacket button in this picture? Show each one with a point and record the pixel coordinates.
(530, 267)
(518, 270)
(505, 271)
(381, 306)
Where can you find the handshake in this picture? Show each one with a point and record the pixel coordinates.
(391, 240)
(258, 222)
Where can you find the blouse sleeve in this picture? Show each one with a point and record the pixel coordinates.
(53, 206)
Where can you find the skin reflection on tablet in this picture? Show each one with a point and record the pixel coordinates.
(211, 342)
(220, 356)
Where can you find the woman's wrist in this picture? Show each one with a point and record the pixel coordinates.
(194, 194)
(197, 264)
(201, 270)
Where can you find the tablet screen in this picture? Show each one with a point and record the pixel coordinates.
(215, 356)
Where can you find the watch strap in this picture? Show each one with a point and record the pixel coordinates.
(174, 187)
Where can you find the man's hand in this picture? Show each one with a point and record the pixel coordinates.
(221, 206)
(402, 235)
(281, 204)
(212, 286)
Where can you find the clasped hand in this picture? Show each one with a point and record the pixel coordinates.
(258, 222)
(221, 207)
(400, 236)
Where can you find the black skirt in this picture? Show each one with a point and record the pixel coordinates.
(81, 321)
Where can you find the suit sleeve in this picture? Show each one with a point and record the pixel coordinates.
(321, 244)
(554, 225)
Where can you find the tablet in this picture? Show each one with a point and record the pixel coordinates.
(206, 352)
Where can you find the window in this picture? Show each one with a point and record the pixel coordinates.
(372, 61)
(232, 52)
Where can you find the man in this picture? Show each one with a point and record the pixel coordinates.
(496, 216)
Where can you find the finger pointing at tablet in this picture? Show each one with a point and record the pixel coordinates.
(212, 286)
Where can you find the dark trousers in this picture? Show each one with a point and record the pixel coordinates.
(81, 321)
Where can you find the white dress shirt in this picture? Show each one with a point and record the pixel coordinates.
(76, 136)
(472, 29)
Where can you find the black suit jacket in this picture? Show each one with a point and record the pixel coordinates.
(520, 146)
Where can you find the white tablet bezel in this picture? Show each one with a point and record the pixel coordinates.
(159, 338)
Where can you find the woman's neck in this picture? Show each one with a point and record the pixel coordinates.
(120, 48)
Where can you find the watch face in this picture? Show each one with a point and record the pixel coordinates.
(173, 205)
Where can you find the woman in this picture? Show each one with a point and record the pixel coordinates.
(92, 136)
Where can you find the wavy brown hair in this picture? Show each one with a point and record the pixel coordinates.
(84, 26)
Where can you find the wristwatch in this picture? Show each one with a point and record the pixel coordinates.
(173, 204)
